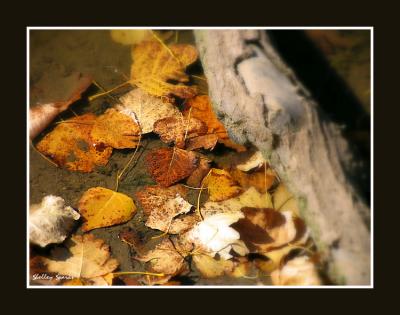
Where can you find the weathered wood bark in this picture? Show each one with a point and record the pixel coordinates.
(259, 100)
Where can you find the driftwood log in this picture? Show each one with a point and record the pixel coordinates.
(260, 101)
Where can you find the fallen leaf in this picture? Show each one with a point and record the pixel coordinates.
(214, 235)
(73, 282)
(164, 259)
(51, 221)
(285, 201)
(221, 185)
(83, 256)
(155, 66)
(262, 179)
(116, 129)
(183, 223)
(130, 37)
(297, 271)
(71, 145)
(242, 268)
(200, 107)
(207, 142)
(195, 179)
(250, 198)
(254, 161)
(170, 165)
(102, 207)
(147, 108)
(210, 267)
(178, 129)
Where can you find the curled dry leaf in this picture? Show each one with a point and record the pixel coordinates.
(102, 207)
(155, 66)
(200, 107)
(263, 229)
(214, 235)
(147, 108)
(297, 271)
(164, 259)
(116, 129)
(195, 179)
(71, 145)
(130, 37)
(254, 161)
(162, 205)
(221, 185)
(51, 221)
(84, 256)
(178, 129)
(170, 165)
(210, 267)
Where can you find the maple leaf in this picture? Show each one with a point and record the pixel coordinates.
(71, 145)
(147, 108)
(51, 221)
(200, 107)
(155, 66)
(262, 179)
(83, 256)
(102, 207)
(178, 129)
(169, 165)
(297, 271)
(116, 129)
(221, 185)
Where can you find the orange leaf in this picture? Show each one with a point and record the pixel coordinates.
(261, 179)
(71, 145)
(221, 185)
(169, 165)
(116, 130)
(200, 107)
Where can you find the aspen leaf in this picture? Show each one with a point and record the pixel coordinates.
(297, 271)
(83, 256)
(200, 107)
(116, 129)
(170, 165)
(221, 185)
(178, 129)
(147, 108)
(155, 66)
(102, 207)
(71, 145)
(51, 221)
(210, 267)
(262, 179)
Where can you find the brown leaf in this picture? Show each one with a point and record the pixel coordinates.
(207, 142)
(155, 66)
(170, 165)
(116, 129)
(71, 145)
(199, 173)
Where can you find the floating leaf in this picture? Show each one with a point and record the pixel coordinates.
(156, 65)
(102, 207)
(71, 145)
(221, 185)
(51, 221)
(84, 256)
(200, 107)
(169, 165)
(147, 108)
(297, 271)
(116, 129)
(178, 129)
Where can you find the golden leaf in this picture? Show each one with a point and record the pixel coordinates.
(285, 201)
(130, 37)
(221, 185)
(84, 256)
(71, 145)
(262, 179)
(210, 267)
(169, 165)
(116, 129)
(155, 65)
(102, 207)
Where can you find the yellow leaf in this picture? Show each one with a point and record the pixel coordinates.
(221, 185)
(155, 65)
(116, 129)
(285, 201)
(71, 145)
(84, 256)
(262, 179)
(210, 267)
(102, 207)
(130, 37)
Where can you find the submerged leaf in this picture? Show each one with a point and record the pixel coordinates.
(102, 207)
(71, 145)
